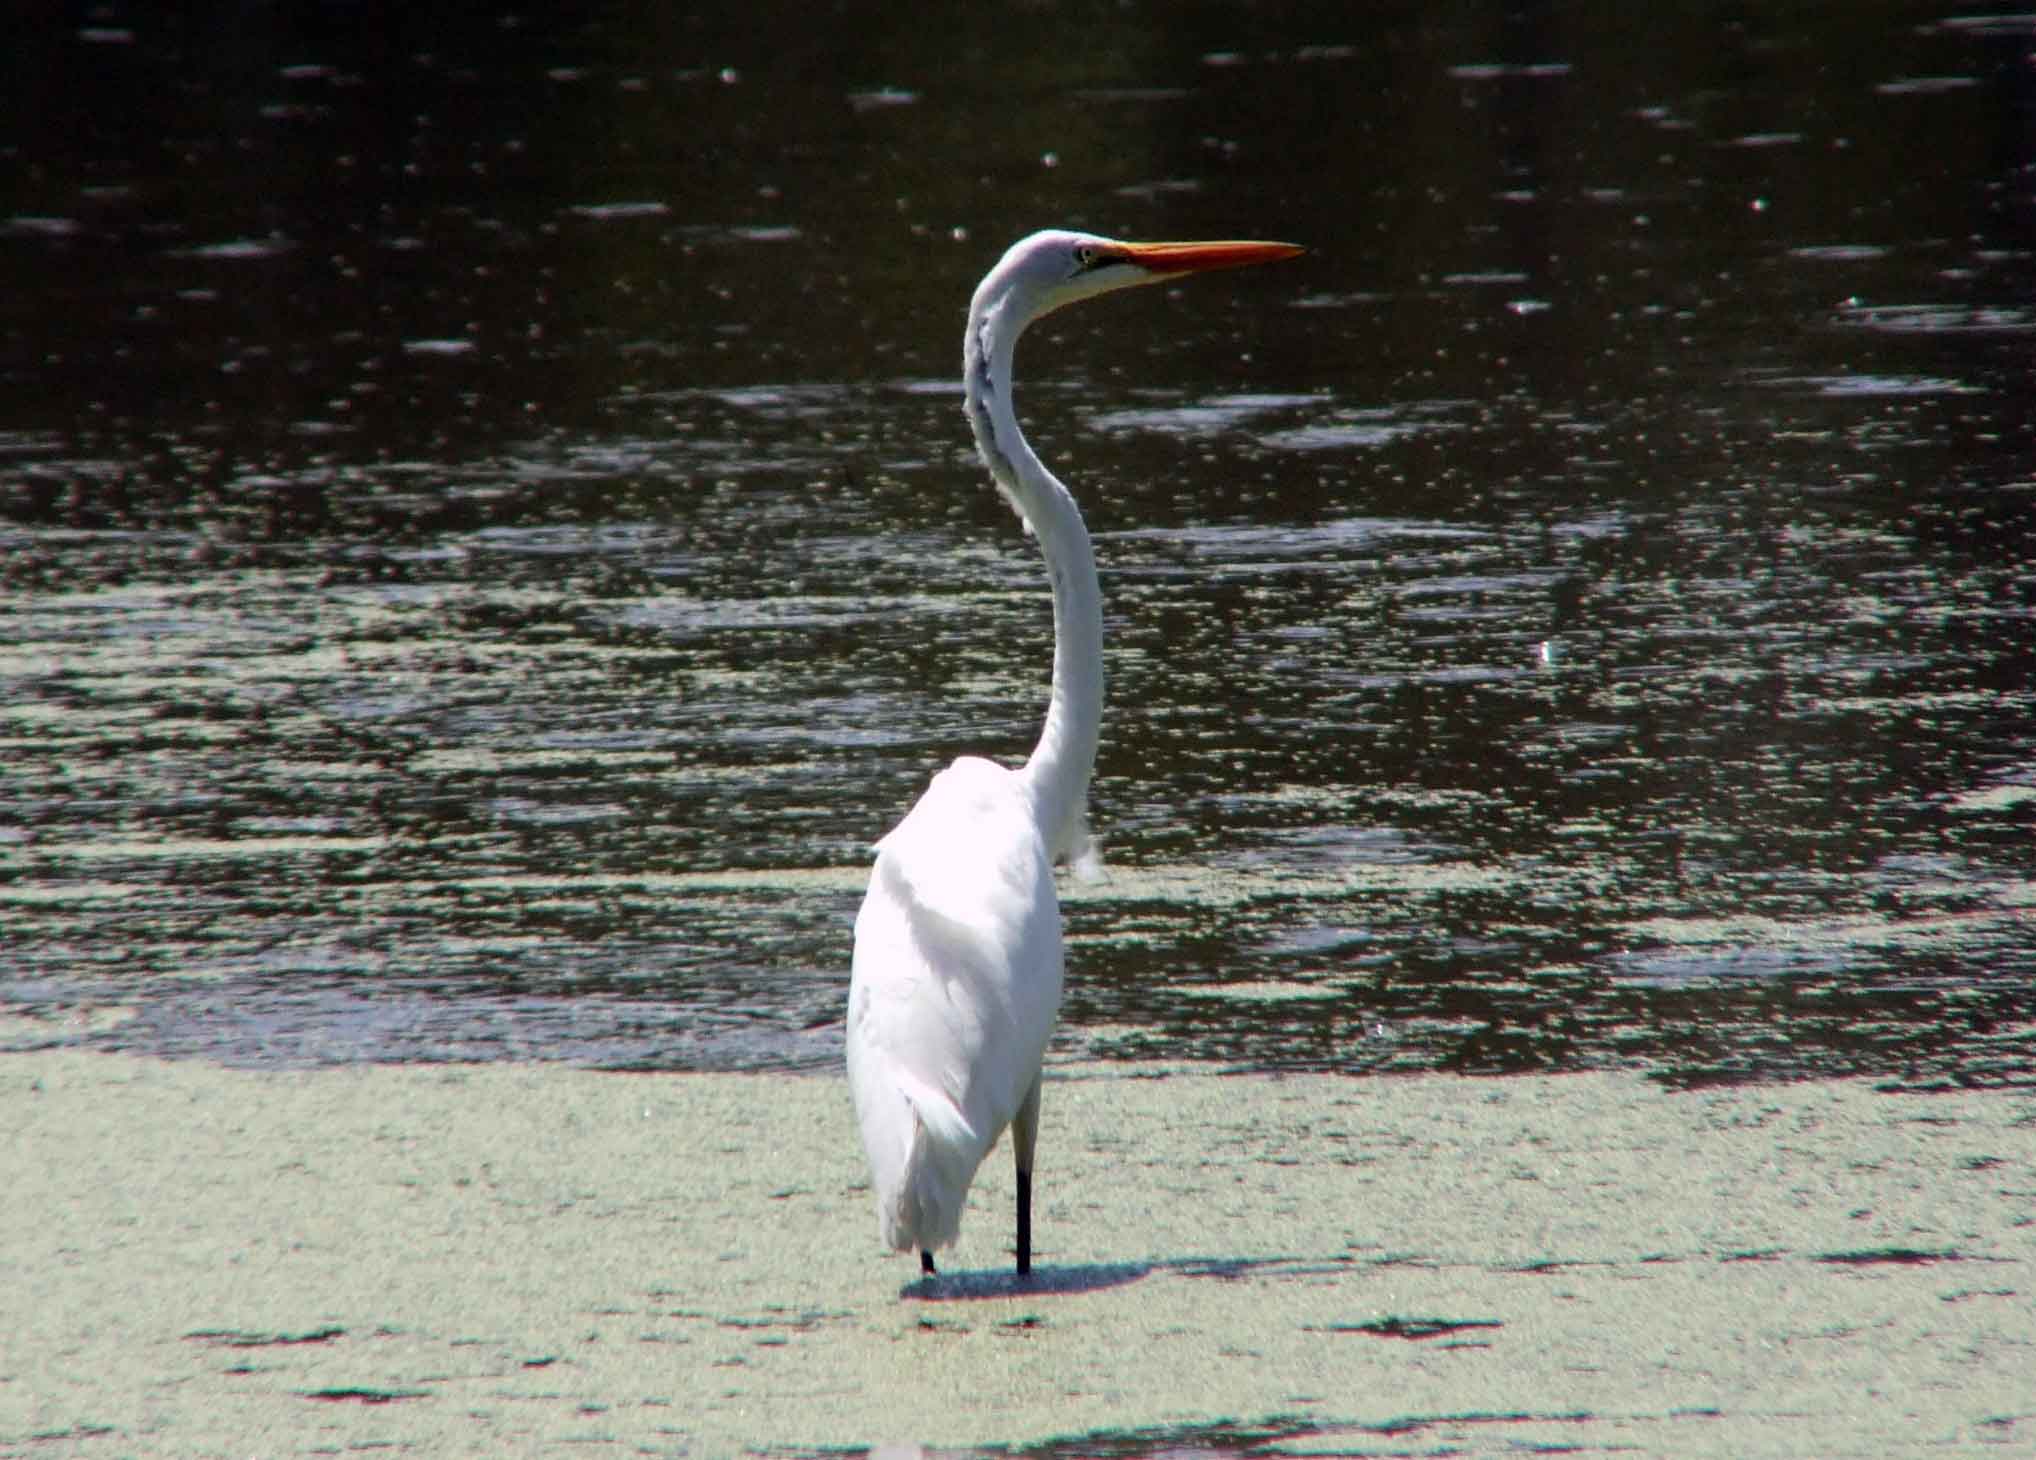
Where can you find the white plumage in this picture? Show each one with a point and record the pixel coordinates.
(957, 980)
(958, 961)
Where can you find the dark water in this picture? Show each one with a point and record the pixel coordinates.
(487, 538)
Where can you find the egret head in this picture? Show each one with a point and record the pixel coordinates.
(1041, 273)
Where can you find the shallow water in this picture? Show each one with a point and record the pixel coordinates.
(487, 538)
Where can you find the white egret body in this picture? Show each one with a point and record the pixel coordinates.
(957, 971)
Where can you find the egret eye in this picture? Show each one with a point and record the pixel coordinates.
(1087, 256)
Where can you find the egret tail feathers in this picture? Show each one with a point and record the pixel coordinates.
(924, 1210)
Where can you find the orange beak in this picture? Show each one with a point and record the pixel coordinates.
(1192, 258)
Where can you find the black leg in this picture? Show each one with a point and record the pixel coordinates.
(926, 1262)
(1024, 1223)
(1024, 1133)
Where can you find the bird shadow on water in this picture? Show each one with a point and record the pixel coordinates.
(1089, 1277)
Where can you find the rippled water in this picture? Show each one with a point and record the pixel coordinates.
(488, 538)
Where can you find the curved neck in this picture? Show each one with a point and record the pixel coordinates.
(1060, 765)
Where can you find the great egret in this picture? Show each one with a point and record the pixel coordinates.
(957, 970)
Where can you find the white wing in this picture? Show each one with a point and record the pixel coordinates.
(956, 983)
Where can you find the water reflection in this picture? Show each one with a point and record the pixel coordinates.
(487, 539)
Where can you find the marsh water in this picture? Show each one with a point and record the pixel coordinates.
(488, 538)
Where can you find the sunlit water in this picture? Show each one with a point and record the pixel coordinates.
(474, 589)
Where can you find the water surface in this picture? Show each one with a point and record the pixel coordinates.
(487, 537)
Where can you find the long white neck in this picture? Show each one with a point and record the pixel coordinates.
(1060, 765)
